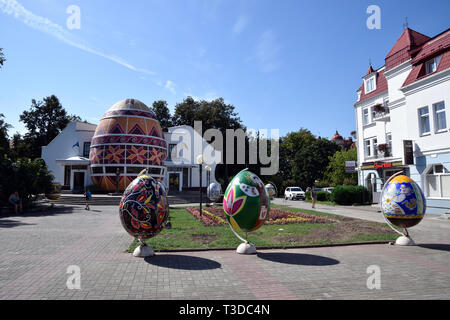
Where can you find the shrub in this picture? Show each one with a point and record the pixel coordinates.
(348, 195)
(29, 177)
(308, 195)
(323, 196)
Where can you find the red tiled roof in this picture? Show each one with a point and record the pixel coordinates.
(436, 46)
(401, 51)
(433, 47)
(418, 47)
(381, 86)
(418, 71)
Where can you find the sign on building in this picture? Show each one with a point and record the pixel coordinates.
(350, 166)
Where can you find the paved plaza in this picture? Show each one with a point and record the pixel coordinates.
(37, 249)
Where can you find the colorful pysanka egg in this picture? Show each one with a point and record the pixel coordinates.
(271, 190)
(55, 192)
(214, 191)
(403, 202)
(144, 208)
(246, 202)
(128, 138)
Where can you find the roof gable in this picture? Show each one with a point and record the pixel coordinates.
(401, 51)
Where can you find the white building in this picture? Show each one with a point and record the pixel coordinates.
(67, 157)
(406, 103)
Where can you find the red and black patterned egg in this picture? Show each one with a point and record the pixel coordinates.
(127, 140)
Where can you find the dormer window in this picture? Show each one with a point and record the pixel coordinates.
(370, 85)
(432, 65)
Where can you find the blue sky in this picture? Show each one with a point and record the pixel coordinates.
(282, 64)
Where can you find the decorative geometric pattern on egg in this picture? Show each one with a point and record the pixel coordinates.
(128, 135)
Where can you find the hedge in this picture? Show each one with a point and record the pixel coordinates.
(321, 195)
(348, 195)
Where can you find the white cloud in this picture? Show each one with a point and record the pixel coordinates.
(240, 25)
(208, 96)
(13, 7)
(267, 51)
(170, 85)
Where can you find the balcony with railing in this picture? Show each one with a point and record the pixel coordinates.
(384, 150)
(381, 113)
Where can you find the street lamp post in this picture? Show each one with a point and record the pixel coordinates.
(208, 179)
(200, 161)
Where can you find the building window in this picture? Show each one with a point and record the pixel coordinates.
(372, 111)
(432, 65)
(367, 148)
(439, 117)
(389, 144)
(438, 182)
(424, 121)
(370, 147)
(86, 149)
(370, 85)
(172, 151)
(365, 116)
(375, 146)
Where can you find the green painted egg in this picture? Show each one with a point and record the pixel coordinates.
(246, 202)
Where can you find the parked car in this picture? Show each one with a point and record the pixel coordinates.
(294, 193)
(328, 189)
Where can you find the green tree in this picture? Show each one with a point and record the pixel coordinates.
(4, 138)
(162, 113)
(303, 159)
(29, 177)
(44, 122)
(20, 147)
(2, 57)
(335, 172)
(213, 114)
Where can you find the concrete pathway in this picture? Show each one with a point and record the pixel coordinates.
(36, 251)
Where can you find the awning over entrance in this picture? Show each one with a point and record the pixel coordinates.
(76, 160)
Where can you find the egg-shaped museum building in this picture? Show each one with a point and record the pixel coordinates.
(127, 140)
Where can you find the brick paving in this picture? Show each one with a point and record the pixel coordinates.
(36, 250)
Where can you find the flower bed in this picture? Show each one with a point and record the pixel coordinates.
(214, 216)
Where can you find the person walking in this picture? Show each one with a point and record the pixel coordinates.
(88, 196)
(15, 200)
(313, 196)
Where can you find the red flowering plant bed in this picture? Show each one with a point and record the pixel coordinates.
(214, 216)
(207, 218)
(278, 216)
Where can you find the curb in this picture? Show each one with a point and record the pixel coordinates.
(277, 247)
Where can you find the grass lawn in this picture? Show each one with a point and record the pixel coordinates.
(330, 203)
(189, 233)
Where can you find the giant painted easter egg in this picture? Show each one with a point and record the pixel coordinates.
(403, 202)
(246, 202)
(127, 139)
(271, 190)
(214, 191)
(144, 208)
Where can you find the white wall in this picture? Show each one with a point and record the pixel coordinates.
(61, 147)
(427, 94)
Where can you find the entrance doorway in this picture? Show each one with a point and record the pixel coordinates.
(174, 181)
(78, 181)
